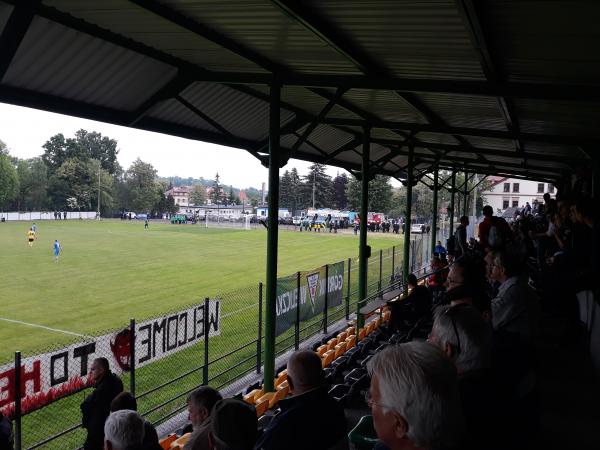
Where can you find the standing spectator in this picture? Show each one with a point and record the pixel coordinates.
(414, 397)
(123, 430)
(310, 403)
(460, 237)
(96, 407)
(439, 249)
(494, 232)
(65, 215)
(125, 400)
(233, 425)
(200, 405)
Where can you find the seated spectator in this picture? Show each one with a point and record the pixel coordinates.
(514, 309)
(200, 405)
(413, 307)
(123, 430)
(466, 284)
(309, 404)
(436, 279)
(96, 407)
(465, 337)
(125, 400)
(233, 425)
(6, 433)
(414, 398)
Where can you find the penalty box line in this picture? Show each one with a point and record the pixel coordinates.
(35, 325)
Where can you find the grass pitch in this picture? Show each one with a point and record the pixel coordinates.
(110, 271)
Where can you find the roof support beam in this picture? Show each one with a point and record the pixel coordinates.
(208, 33)
(213, 123)
(15, 30)
(344, 148)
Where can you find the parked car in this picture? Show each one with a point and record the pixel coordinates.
(142, 216)
(417, 228)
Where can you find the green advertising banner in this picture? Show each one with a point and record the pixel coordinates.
(313, 285)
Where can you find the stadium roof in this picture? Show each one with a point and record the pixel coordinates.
(496, 86)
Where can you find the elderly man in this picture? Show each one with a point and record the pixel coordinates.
(465, 337)
(309, 403)
(200, 405)
(96, 407)
(514, 309)
(123, 430)
(414, 397)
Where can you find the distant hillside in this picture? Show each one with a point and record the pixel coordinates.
(251, 192)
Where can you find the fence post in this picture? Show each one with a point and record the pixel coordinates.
(132, 357)
(18, 400)
(259, 340)
(393, 276)
(380, 268)
(297, 327)
(206, 333)
(326, 295)
(348, 291)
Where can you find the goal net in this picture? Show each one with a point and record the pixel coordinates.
(242, 222)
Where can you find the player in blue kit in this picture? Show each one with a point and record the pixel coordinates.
(56, 250)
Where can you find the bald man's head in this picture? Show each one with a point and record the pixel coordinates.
(304, 371)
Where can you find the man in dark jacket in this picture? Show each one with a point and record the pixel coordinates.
(96, 407)
(309, 404)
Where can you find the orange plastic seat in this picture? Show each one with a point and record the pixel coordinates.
(361, 334)
(332, 343)
(165, 443)
(281, 378)
(342, 336)
(180, 442)
(387, 315)
(340, 349)
(378, 322)
(284, 387)
(261, 407)
(328, 358)
(279, 395)
(350, 342)
(322, 349)
(251, 396)
(351, 330)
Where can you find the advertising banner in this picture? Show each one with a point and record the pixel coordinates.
(50, 376)
(313, 285)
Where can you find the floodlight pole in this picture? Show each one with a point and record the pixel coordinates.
(99, 170)
(409, 183)
(434, 212)
(363, 250)
(272, 236)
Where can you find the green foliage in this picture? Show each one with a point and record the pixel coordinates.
(198, 195)
(216, 193)
(142, 184)
(318, 187)
(340, 200)
(380, 194)
(9, 181)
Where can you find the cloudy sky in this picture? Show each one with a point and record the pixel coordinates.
(25, 130)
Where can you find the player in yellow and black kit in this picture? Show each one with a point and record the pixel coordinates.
(31, 236)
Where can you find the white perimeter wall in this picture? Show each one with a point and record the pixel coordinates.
(37, 215)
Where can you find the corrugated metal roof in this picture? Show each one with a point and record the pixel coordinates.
(174, 112)
(559, 117)
(386, 105)
(5, 11)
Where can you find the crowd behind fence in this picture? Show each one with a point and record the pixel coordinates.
(224, 352)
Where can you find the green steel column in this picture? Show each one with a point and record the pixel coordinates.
(451, 211)
(409, 181)
(434, 212)
(272, 235)
(363, 256)
(466, 195)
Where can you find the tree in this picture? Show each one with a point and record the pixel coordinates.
(285, 190)
(141, 182)
(78, 181)
(380, 194)
(198, 195)
(9, 181)
(340, 201)
(216, 194)
(232, 199)
(318, 186)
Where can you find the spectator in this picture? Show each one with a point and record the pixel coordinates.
(125, 400)
(123, 430)
(514, 307)
(465, 337)
(200, 405)
(309, 403)
(460, 237)
(96, 407)
(436, 279)
(233, 425)
(6, 433)
(494, 232)
(439, 249)
(415, 306)
(414, 397)
(466, 284)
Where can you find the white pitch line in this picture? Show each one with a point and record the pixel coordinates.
(238, 310)
(44, 327)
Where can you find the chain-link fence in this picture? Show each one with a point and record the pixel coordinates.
(162, 359)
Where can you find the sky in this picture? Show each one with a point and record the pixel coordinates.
(25, 130)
